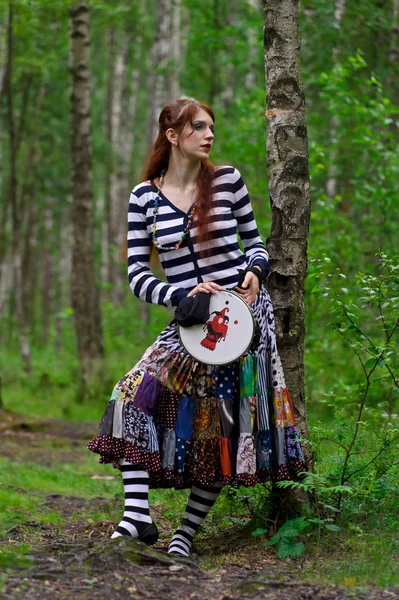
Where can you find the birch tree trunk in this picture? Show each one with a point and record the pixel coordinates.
(289, 187)
(158, 88)
(227, 94)
(393, 55)
(252, 49)
(123, 113)
(84, 293)
(122, 178)
(175, 51)
(331, 185)
(16, 212)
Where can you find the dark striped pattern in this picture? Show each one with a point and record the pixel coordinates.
(136, 516)
(199, 504)
(231, 216)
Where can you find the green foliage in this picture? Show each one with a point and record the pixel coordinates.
(351, 362)
(285, 538)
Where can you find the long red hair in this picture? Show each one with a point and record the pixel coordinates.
(176, 115)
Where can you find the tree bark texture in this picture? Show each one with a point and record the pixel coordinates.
(331, 185)
(175, 51)
(252, 49)
(393, 55)
(123, 113)
(84, 293)
(158, 87)
(289, 188)
(16, 213)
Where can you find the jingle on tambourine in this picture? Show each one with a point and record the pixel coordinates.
(225, 336)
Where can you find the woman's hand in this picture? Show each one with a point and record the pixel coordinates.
(208, 288)
(249, 295)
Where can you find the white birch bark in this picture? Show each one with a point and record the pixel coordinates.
(175, 51)
(252, 49)
(331, 184)
(289, 188)
(159, 69)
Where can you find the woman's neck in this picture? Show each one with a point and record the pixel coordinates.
(181, 174)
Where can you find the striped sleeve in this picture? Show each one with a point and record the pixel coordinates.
(254, 248)
(142, 281)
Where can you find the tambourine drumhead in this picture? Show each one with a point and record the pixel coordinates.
(226, 335)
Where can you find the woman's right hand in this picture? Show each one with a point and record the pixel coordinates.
(208, 288)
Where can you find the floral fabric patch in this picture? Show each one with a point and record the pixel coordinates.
(136, 427)
(206, 421)
(246, 456)
(283, 409)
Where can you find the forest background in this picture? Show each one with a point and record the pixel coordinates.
(142, 54)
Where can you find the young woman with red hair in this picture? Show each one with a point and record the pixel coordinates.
(173, 421)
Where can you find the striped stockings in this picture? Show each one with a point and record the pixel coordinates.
(199, 504)
(136, 517)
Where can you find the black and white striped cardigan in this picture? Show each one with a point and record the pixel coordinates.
(231, 215)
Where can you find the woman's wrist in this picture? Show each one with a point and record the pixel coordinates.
(257, 271)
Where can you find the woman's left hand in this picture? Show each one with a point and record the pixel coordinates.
(249, 295)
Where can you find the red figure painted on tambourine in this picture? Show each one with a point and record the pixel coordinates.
(216, 329)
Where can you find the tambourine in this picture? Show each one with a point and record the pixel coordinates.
(225, 336)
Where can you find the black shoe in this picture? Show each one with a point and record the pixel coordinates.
(150, 535)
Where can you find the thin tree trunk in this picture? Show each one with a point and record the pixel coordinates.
(117, 226)
(62, 274)
(331, 185)
(47, 272)
(3, 54)
(1, 390)
(227, 94)
(122, 178)
(213, 67)
(28, 199)
(184, 38)
(289, 187)
(84, 292)
(252, 49)
(175, 53)
(393, 55)
(13, 200)
(158, 88)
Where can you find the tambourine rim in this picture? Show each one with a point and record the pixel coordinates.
(229, 362)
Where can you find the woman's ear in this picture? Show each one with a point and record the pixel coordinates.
(171, 135)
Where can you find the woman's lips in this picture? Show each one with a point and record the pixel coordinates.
(206, 146)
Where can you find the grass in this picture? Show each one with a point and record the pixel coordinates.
(364, 552)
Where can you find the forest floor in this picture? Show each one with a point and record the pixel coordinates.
(73, 557)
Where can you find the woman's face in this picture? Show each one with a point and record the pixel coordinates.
(195, 141)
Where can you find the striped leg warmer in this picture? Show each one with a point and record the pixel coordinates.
(199, 504)
(136, 517)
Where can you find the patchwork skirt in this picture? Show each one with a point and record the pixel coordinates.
(187, 422)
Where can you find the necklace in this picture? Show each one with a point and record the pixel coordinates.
(186, 230)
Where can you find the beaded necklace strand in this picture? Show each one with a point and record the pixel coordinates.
(186, 230)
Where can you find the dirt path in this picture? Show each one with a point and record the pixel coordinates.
(78, 561)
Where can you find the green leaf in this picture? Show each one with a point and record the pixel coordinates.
(331, 527)
(293, 526)
(259, 531)
(288, 550)
(369, 363)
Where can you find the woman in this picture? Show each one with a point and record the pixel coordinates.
(171, 420)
